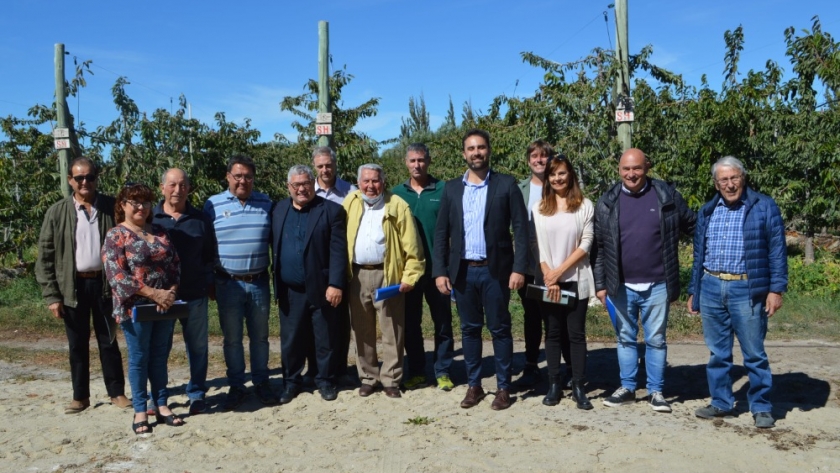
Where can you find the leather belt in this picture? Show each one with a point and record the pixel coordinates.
(726, 276)
(369, 267)
(476, 263)
(242, 277)
(89, 274)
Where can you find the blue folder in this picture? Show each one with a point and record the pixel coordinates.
(611, 311)
(386, 292)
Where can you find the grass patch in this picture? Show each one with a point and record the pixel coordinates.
(419, 420)
(43, 358)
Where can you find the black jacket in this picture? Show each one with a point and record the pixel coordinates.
(674, 217)
(505, 208)
(325, 253)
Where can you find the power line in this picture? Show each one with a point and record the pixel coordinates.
(570, 38)
(132, 80)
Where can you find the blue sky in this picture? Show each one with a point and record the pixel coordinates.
(243, 57)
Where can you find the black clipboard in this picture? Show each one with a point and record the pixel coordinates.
(149, 313)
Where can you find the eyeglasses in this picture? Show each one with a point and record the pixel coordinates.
(139, 205)
(240, 177)
(735, 180)
(300, 185)
(85, 177)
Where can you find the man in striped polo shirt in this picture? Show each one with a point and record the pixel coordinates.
(242, 221)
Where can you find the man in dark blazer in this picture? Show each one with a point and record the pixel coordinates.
(309, 243)
(475, 258)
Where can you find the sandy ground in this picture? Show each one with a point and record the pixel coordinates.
(373, 434)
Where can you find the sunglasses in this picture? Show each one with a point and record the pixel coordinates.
(85, 177)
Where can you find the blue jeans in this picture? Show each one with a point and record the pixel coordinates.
(477, 295)
(728, 310)
(148, 351)
(651, 307)
(239, 302)
(194, 329)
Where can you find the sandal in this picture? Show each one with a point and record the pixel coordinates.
(142, 424)
(171, 420)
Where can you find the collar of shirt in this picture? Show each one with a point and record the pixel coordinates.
(629, 192)
(305, 208)
(429, 185)
(722, 203)
(79, 205)
(470, 184)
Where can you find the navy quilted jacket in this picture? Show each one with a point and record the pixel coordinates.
(674, 218)
(765, 250)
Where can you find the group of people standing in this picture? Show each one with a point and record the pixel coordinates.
(331, 246)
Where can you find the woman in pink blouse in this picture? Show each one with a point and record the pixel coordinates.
(563, 221)
(143, 267)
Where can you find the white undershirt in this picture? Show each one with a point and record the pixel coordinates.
(534, 196)
(370, 240)
(88, 245)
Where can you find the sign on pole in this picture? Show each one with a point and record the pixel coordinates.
(323, 117)
(322, 129)
(63, 132)
(624, 110)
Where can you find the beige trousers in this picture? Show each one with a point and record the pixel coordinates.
(363, 315)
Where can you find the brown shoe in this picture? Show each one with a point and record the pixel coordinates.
(392, 392)
(366, 390)
(121, 401)
(474, 395)
(77, 406)
(502, 400)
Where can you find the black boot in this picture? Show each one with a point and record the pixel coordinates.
(555, 391)
(579, 395)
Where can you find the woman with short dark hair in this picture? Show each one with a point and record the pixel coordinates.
(143, 267)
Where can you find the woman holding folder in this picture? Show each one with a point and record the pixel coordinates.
(563, 221)
(142, 268)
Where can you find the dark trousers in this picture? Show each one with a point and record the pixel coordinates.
(478, 294)
(566, 333)
(533, 324)
(302, 327)
(77, 326)
(341, 345)
(440, 309)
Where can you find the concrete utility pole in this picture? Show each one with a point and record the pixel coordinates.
(61, 118)
(621, 91)
(324, 80)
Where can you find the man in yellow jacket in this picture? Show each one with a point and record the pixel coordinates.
(384, 250)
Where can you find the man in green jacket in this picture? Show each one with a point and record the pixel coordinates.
(423, 193)
(69, 270)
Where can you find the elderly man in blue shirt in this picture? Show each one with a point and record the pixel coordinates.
(737, 280)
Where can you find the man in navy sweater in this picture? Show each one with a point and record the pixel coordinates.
(737, 280)
(637, 228)
(192, 234)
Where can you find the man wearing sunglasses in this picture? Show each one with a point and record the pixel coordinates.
(69, 270)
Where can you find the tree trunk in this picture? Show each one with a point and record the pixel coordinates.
(809, 247)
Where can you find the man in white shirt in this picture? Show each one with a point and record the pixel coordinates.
(384, 250)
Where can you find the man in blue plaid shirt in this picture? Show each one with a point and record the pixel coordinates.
(739, 275)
